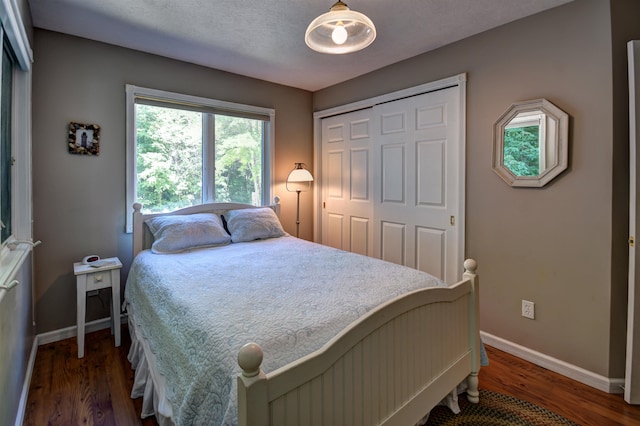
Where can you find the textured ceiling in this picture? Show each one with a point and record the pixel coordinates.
(264, 39)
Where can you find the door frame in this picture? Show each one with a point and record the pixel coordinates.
(632, 369)
(459, 80)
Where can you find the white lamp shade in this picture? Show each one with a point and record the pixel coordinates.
(322, 35)
(300, 175)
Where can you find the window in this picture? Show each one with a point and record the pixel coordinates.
(15, 142)
(524, 144)
(184, 150)
(6, 152)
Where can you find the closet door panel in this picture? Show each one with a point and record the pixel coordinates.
(430, 116)
(419, 168)
(393, 242)
(393, 181)
(430, 167)
(347, 183)
(360, 128)
(360, 184)
(335, 229)
(335, 178)
(360, 235)
(393, 122)
(393, 174)
(430, 247)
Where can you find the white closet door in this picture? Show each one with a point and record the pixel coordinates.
(393, 181)
(346, 184)
(417, 172)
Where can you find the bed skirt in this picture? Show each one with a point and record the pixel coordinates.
(149, 385)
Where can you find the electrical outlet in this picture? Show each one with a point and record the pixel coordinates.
(97, 292)
(528, 309)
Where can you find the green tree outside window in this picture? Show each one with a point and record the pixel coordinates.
(522, 150)
(169, 158)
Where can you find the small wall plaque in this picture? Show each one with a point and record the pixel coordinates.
(84, 139)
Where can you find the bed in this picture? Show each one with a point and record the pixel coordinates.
(281, 331)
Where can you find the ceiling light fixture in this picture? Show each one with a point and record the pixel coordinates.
(340, 30)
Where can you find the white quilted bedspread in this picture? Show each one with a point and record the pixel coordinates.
(290, 296)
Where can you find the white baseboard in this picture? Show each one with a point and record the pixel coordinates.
(22, 406)
(65, 333)
(571, 371)
(50, 337)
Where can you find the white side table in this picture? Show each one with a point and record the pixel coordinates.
(89, 278)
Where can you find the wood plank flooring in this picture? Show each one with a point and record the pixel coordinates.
(575, 401)
(95, 390)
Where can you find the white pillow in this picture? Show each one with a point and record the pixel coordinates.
(253, 224)
(173, 234)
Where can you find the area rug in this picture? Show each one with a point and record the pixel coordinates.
(496, 409)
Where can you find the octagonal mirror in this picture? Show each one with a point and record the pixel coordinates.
(530, 143)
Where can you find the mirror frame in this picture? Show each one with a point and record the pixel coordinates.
(559, 156)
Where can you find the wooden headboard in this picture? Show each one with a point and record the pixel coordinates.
(143, 238)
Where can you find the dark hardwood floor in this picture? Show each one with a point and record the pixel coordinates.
(95, 390)
(575, 401)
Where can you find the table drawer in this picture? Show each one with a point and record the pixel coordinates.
(98, 280)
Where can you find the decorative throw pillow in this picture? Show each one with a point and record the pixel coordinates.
(173, 234)
(253, 224)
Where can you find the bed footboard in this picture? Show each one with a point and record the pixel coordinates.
(388, 368)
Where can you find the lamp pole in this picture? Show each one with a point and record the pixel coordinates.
(298, 214)
(298, 176)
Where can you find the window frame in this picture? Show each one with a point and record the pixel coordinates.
(14, 252)
(6, 141)
(134, 93)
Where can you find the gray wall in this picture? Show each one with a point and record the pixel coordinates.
(16, 328)
(562, 246)
(79, 202)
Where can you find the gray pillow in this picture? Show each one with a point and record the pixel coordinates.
(253, 224)
(173, 234)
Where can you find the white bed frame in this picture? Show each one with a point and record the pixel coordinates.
(390, 367)
(143, 238)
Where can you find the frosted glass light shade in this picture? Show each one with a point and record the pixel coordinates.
(360, 31)
(299, 175)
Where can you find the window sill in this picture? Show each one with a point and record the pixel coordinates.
(10, 263)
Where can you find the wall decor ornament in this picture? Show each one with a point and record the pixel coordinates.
(531, 143)
(84, 139)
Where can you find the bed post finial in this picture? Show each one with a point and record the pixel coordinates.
(276, 205)
(249, 359)
(253, 394)
(470, 265)
(137, 207)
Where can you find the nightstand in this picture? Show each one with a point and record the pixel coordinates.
(89, 278)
